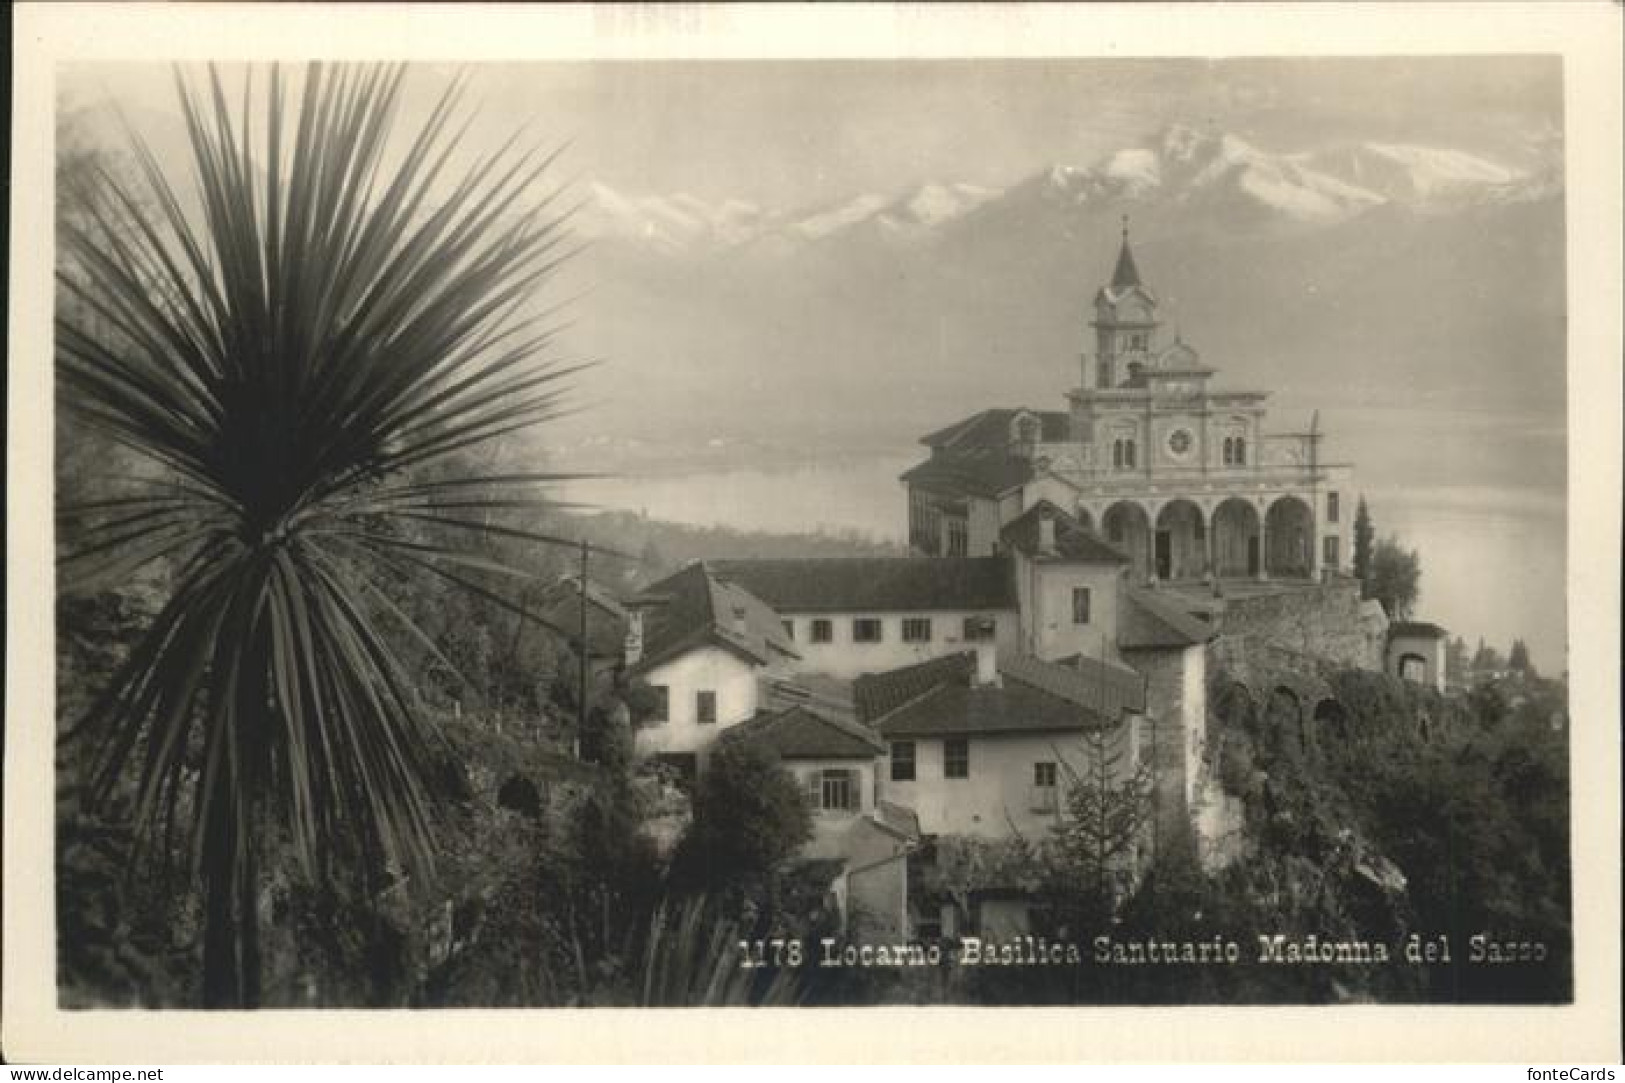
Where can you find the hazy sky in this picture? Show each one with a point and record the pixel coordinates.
(787, 133)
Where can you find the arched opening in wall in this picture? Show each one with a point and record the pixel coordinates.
(1330, 717)
(1289, 532)
(1235, 539)
(1283, 714)
(1414, 668)
(1085, 520)
(1231, 708)
(1129, 529)
(1181, 542)
(519, 794)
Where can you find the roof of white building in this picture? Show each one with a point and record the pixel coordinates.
(1069, 540)
(800, 733)
(696, 608)
(875, 584)
(942, 697)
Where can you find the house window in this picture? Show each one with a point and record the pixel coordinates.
(1080, 605)
(1043, 795)
(1241, 451)
(1123, 453)
(834, 790)
(902, 761)
(956, 758)
(958, 538)
(789, 629)
(978, 628)
(1330, 554)
(660, 710)
(822, 631)
(1128, 453)
(866, 630)
(1331, 507)
(705, 706)
(917, 630)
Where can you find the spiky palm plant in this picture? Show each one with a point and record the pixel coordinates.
(336, 316)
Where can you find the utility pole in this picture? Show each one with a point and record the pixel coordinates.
(581, 644)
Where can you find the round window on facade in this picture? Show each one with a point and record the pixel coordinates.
(1179, 442)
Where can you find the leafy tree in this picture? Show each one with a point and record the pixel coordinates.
(749, 817)
(1363, 537)
(289, 365)
(1455, 662)
(1518, 659)
(1104, 813)
(1487, 659)
(1396, 578)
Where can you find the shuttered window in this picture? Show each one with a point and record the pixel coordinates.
(834, 790)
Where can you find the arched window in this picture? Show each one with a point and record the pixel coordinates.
(1128, 453)
(1117, 454)
(1241, 451)
(1229, 450)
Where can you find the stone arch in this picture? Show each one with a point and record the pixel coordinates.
(1085, 519)
(1285, 711)
(1128, 527)
(1231, 706)
(1289, 538)
(1181, 541)
(1235, 539)
(519, 794)
(1329, 714)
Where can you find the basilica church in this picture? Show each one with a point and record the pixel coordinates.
(1181, 476)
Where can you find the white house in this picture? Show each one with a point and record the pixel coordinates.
(1416, 653)
(979, 745)
(853, 615)
(704, 646)
(836, 762)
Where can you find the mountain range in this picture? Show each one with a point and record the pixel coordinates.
(1219, 174)
(1360, 276)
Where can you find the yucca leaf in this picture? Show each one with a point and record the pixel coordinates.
(292, 357)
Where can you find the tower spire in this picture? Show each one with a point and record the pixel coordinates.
(1127, 274)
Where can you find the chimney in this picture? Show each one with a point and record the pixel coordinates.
(1046, 534)
(987, 664)
(634, 637)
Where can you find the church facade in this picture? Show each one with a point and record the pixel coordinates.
(1183, 477)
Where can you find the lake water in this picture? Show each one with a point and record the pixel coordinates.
(1493, 558)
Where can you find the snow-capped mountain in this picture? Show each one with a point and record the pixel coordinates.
(667, 223)
(1426, 177)
(1218, 177)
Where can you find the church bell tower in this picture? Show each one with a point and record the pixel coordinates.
(1125, 324)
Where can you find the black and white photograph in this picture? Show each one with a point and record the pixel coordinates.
(625, 532)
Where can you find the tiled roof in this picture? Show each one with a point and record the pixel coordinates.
(991, 429)
(560, 609)
(1147, 620)
(1417, 628)
(1087, 682)
(984, 473)
(804, 734)
(1072, 542)
(878, 694)
(1031, 697)
(830, 696)
(694, 608)
(899, 818)
(875, 584)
